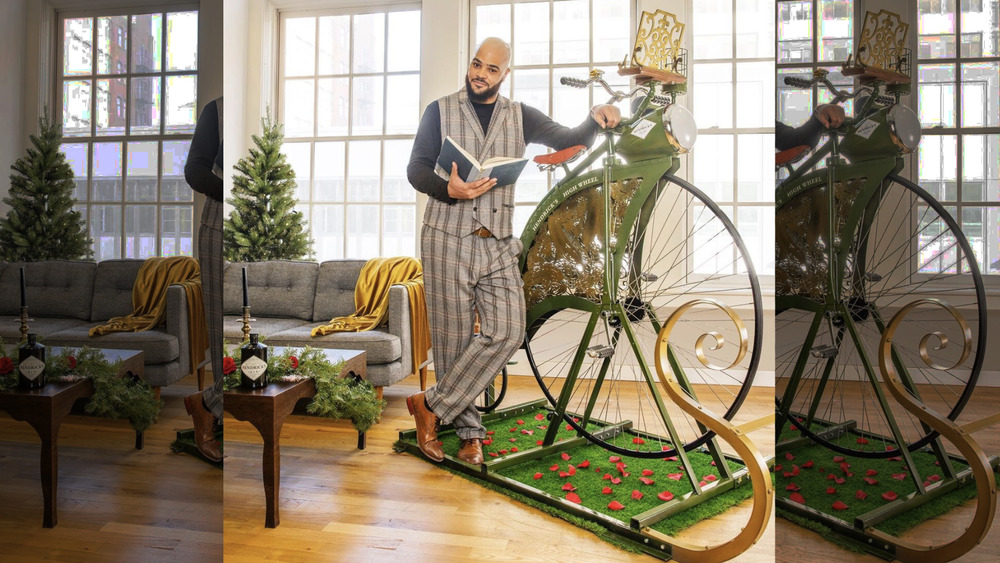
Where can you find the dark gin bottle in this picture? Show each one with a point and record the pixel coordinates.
(253, 364)
(31, 364)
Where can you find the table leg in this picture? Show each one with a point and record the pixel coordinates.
(48, 431)
(272, 479)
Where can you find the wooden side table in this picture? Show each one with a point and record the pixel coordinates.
(266, 409)
(46, 408)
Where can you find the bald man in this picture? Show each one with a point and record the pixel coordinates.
(469, 252)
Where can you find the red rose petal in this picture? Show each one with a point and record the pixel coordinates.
(571, 470)
(839, 505)
(616, 481)
(554, 467)
(538, 475)
(569, 427)
(862, 441)
(606, 491)
(514, 449)
(665, 496)
(831, 476)
(934, 478)
(702, 483)
(503, 452)
(792, 427)
(675, 476)
(487, 441)
(489, 432)
(543, 427)
(796, 497)
(778, 467)
(830, 490)
(584, 464)
(607, 477)
(568, 487)
(614, 459)
(871, 473)
(539, 416)
(492, 454)
(528, 432)
(871, 481)
(712, 464)
(789, 456)
(615, 505)
(839, 480)
(788, 474)
(889, 495)
(646, 480)
(512, 440)
(565, 456)
(573, 497)
(807, 465)
(792, 487)
(860, 495)
(636, 495)
(899, 476)
(897, 458)
(927, 483)
(845, 466)
(563, 474)
(539, 442)
(838, 459)
(514, 429)
(671, 458)
(638, 440)
(795, 469)
(647, 472)
(711, 478)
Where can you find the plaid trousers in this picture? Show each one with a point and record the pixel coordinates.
(210, 258)
(463, 274)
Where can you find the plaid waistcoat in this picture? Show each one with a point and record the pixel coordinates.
(505, 137)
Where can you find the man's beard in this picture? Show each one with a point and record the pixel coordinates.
(485, 96)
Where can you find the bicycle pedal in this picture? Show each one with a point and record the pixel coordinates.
(826, 351)
(600, 351)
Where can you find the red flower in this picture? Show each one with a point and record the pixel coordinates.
(70, 362)
(293, 362)
(796, 497)
(573, 497)
(665, 496)
(839, 505)
(6, 365)
(228, 365)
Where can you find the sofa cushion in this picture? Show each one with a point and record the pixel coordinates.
(232, 326)
(382, 347)
(10, 328)
(335, 289)
(55, 288)
(281, 288)
(113, 289)
(159, 347)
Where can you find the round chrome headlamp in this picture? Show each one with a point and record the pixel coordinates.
(679, 125)
(904, 128)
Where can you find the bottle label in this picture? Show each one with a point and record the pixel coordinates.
(253, 368)
(31, 368)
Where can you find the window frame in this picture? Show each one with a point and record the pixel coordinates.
(59, 78)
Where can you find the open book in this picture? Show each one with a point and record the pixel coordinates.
(504, 169)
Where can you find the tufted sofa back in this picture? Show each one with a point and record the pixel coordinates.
(279, 288)
(54, 288)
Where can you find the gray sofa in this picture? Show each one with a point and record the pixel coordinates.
(67, 298)
(288, 299)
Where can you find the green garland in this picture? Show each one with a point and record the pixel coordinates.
(114, 397)
(336, 397)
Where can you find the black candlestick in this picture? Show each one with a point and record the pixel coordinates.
(24, 299)
(246, 295)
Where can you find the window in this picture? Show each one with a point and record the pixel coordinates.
(128, 101)
(732, 80)
(348, 85)
(551, 39)
(959, 108)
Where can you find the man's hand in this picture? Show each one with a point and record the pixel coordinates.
(467, 190)
(830, 115)
(606, 115)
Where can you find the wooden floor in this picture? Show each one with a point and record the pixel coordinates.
(795, 544)
(115, 503)
(339, 503)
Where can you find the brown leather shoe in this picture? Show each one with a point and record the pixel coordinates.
(471, 451)
(204, 437)
(427, 439)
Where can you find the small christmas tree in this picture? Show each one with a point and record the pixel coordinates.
(263, 224)
(42, 224)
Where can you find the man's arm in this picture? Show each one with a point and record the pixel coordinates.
(423, 157)
(203, 153)
(538, 128)
(825, 116)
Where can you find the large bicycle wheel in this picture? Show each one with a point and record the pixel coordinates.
(594, 357)
(898, 244)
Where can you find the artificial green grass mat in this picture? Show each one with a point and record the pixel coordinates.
(589, 472)
(823, 479)
(185, 444)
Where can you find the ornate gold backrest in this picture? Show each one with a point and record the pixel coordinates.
(883, 38)
(658, 41)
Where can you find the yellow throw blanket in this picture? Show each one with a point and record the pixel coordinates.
(149, 301)
(371, 302)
